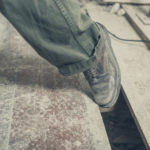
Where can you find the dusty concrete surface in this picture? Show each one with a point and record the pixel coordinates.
(39, 108)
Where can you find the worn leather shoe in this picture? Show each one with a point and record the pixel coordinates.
(104, 77)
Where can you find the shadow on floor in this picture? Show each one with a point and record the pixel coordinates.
(33, 71)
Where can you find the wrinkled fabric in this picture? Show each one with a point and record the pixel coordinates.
(57, 30)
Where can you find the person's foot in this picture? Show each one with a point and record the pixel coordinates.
(104, 77)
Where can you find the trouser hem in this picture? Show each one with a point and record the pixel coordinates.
(70, 69)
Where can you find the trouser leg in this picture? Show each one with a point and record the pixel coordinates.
(57, 30)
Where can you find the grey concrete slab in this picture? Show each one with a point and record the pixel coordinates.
(39, 108)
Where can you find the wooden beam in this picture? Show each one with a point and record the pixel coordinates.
(136, 2)
(133, 16)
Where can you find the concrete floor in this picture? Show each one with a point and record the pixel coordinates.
(39, 108)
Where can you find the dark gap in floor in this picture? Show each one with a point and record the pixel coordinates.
(121, 128)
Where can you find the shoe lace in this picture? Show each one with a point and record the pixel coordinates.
(91, 74)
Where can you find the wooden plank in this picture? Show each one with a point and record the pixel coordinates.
(134, 60)
(40, 108)
(133, 15)
(140, 2)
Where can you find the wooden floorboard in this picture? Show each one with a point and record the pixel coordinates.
(134, 61)
(135, 17)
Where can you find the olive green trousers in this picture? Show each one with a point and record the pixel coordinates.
(58, 30)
